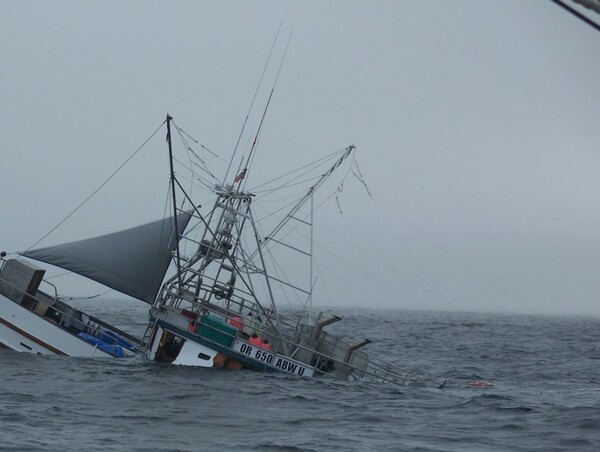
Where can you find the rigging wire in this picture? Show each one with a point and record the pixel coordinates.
(262, 119)
(337, 199)
(190, 168)
(64, 298)
(213, 153)
(285, 207)
(301, 201)
(445, 251)
(411, 299)
(252, 103)
(189, 149)
(316, 163)
(360, 177)
(338, 190)
(437, 292)
(355, 170)
(288, 185)
(382, 284)
(378, 258)
(293, 228)
(280, 273)
(200, 179)
(99, 188)
(198, 143)
(295, 196)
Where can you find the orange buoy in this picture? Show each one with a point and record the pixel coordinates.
(233, 364)
(219, 360)
(266, 344)
(255, 340)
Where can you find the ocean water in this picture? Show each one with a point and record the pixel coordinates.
(546, 394)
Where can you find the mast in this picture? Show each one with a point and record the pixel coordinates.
(178, 263)
(312, 219)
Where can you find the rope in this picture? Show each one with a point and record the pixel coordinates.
(99, 188)
(311, 166)
(85, 298)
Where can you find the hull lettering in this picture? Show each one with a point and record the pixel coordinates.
(272, 359)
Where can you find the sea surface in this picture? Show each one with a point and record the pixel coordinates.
(546, 394)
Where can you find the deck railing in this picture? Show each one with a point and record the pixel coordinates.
(66, 317)
(286, 334)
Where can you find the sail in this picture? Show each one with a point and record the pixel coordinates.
(133, 262)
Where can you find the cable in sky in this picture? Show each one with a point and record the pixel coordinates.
(99, 188)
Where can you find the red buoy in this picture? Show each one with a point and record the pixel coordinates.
(193, 326)
(236, 322)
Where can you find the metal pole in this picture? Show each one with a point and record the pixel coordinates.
(312, 211)
(577, 14)
(178, 263)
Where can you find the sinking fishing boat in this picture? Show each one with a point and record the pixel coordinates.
(219, 309)
(211, 278)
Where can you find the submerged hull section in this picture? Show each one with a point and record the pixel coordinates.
(25, 331)
(35, 322)
(219, 308)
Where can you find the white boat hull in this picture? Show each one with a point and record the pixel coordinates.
(203, 349)
(24, 331)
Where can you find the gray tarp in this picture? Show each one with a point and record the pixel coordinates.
(133, 262)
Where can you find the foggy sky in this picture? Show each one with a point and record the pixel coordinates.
(476, 124)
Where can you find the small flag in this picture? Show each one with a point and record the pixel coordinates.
(240, 176)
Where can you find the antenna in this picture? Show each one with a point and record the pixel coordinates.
(249, 159)
(252, 103)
